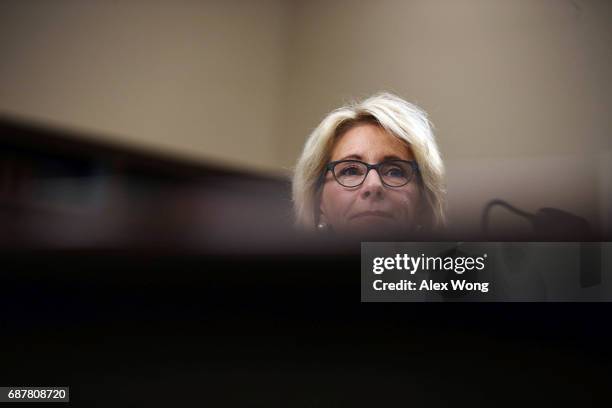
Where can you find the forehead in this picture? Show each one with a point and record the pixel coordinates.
(370, 143)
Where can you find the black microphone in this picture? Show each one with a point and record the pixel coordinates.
(552, 224)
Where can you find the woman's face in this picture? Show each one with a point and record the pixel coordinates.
(372, 206)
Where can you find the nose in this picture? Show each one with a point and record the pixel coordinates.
(372, 186)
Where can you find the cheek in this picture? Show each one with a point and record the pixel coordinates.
(336, 201)
(406, 202)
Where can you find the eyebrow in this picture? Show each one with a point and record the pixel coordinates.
(359, 157)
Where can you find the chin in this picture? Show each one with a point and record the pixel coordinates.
(376, 228)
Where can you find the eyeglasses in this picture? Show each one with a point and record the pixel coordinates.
(392, 173)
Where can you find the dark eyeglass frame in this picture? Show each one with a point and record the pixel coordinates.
(332, 165)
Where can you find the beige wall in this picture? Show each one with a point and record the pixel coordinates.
(499, 78)
(509, 85)
(202, 79)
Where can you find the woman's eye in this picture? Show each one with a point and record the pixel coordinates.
(396, 172)
(351, 171)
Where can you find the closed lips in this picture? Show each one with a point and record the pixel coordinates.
(372, 214)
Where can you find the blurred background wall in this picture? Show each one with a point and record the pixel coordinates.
(519, 91)
(202, 79)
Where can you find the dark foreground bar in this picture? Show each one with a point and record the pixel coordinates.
(172, 330)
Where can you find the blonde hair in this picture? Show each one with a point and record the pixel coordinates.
(402, 119)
